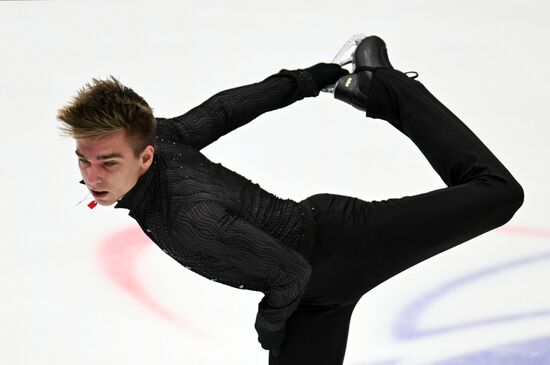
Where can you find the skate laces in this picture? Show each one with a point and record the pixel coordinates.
(414, 77)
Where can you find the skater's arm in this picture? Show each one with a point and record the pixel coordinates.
(210, 229)
(230, 109)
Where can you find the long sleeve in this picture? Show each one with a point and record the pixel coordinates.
(209, 228)
(230, 109)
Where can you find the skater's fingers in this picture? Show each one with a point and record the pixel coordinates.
(325, 74)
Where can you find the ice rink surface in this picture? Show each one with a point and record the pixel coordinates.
(84, 286)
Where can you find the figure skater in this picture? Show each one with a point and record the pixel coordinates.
(313, 259)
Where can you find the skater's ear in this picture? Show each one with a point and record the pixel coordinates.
(146, 157)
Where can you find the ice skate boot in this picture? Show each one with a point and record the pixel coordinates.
(370, 53)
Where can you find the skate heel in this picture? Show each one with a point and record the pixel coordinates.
(347, 90)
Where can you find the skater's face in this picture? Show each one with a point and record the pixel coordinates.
(109, 167)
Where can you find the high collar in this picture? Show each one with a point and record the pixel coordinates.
(140, 193)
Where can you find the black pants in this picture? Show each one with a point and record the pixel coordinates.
(360, 244)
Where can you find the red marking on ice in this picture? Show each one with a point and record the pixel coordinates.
(118, 255)
(525, 230)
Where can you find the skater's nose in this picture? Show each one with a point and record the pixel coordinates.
(93, 174)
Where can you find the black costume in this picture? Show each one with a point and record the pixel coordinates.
(216, 222)
(316, 258)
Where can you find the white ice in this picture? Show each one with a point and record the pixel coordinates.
(486, 61)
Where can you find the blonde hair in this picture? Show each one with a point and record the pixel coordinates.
(107, 106)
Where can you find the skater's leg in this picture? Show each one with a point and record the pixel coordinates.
(481, 193)
(364, 243)
(315, 335)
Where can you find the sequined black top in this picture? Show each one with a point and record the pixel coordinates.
(214, 221)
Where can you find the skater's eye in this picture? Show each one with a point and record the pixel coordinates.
(110, 163)
(83, 162)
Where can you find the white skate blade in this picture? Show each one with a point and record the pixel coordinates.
(352, 44)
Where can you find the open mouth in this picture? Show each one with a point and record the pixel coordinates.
(99, 194)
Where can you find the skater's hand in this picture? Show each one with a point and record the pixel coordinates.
(326, 74)
(271, 341)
